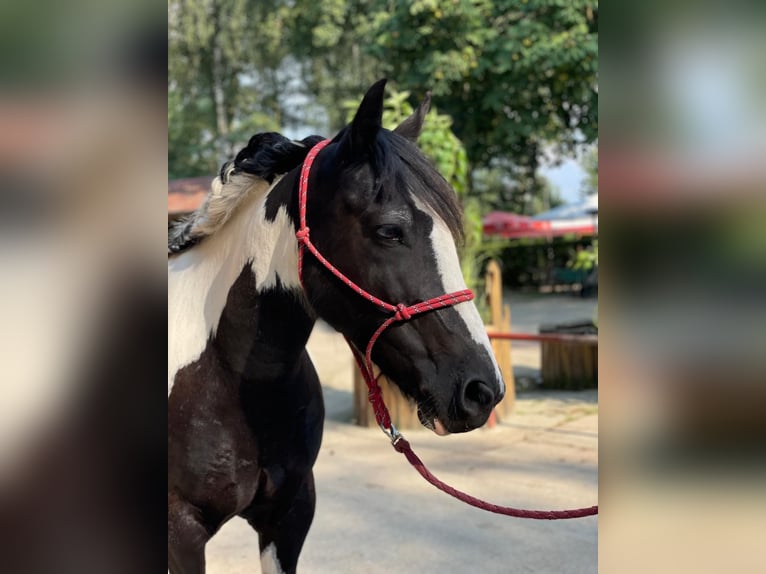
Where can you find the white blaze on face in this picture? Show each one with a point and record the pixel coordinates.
(199, 280)
(269, 561)
(448, 265)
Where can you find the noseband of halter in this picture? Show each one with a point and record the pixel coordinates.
(400, 312)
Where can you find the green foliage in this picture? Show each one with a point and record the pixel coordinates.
(190, 153)
(513, 74)
(533, 262)
(327, 41)
(584, 258)
(476, 250)
(214, 56)
(498, 188)
(590, 165)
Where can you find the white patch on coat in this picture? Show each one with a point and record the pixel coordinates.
(448, 265)
(199, 279)
(269, 561)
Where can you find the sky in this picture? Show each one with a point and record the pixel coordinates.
(567, 177)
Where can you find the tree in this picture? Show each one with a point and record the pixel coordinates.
(327, 39)
(189, 151)
(590, 165)
(223, 83)
(498, 188)
(513, 74)
(237, 67)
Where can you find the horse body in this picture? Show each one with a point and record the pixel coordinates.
(245, 412)
(245, 404)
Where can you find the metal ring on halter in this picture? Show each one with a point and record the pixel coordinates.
(392, 433)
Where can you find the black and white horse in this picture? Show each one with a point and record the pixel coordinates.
(245, 404)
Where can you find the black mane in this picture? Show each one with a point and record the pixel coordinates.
(270, 154)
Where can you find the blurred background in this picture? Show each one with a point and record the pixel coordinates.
(83, 168)
(682, 180)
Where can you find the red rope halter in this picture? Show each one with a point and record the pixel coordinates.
(400, 313)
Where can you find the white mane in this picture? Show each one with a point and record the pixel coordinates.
(220, 204)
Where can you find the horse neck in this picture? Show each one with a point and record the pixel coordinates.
(265, 325)
(237, 293)
(261, 335)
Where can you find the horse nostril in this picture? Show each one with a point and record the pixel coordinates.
(477, 396)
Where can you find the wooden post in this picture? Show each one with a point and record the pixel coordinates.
(570, 364)
(500, 322)
(404, 414)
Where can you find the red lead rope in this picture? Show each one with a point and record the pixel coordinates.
(401, 313)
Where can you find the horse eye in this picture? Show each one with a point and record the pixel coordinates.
(389, 232)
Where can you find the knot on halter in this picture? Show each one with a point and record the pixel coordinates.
(402, 313)
(302, 235)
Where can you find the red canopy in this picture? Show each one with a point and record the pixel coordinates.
(514, 226)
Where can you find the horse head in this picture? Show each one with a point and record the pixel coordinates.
(380, 212)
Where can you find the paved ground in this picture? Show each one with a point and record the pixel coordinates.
(376, 515)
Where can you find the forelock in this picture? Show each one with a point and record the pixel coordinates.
(399, 163)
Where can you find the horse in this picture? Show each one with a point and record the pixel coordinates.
(245, 408)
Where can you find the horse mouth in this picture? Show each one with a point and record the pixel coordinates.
(432, 423)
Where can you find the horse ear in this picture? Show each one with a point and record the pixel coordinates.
(411, 127)
(369, 117)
